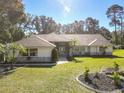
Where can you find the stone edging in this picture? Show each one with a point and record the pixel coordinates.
(96, 90)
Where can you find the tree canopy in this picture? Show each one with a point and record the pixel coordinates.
(15, 23)
(11, 16)
(114, 13)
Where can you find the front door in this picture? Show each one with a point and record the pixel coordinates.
(62, 51)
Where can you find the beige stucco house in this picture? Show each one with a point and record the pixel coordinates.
(39, 47)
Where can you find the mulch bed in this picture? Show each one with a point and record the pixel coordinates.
(108, 70)
(101, 83)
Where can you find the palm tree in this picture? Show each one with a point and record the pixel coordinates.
(112, 14)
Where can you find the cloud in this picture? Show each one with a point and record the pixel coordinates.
(66, 5)
(67, 9)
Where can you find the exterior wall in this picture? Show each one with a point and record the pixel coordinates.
(90, 50)
(44, 55)
(78, 50)
(94, 50)
(109, 50)
(44, 51)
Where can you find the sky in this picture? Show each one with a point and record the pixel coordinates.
(67, 11)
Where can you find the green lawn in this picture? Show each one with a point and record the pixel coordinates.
(58, 79)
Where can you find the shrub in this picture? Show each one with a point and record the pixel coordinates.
(116, 78)
(1, 57)
(11, 60)
(86, 74)
(70, 58)
(96, 75)
(116, 66)
(55, 55)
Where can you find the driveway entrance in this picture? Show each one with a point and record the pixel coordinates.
(62, 60)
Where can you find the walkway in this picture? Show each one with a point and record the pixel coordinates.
(62, 60)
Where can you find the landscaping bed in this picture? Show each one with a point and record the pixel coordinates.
(100, 83)
(108, 80)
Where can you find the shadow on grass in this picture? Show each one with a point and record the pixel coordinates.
(6, 72)
(77, 61)
(39, 66)
(30, 64)
(103, 56)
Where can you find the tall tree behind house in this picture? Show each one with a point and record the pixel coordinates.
(113, 14)
(92, 25)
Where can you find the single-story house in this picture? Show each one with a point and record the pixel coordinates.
(39, 47)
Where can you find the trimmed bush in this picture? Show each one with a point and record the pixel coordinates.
(116, 78)
(55, 55)
(86, 74)
(70, 58)
(116, 66)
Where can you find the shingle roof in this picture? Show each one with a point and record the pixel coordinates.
(81, 39)
(54, 38)
(34, 41)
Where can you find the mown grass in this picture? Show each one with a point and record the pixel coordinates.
(57, 79)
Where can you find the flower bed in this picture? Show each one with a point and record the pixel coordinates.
(100, 83)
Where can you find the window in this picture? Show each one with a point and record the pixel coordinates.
(61, 49)
(83, 49)
(76, 49)
(101, 49)
(30, 52)
(33, 52)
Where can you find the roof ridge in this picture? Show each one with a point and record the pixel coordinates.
(92, 42)
(45, 41)
(68, 34)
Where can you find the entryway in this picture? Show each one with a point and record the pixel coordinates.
(62, 51)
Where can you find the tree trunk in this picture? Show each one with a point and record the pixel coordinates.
(121, 31)
(116, 39)
(12, 59)
(11, 65)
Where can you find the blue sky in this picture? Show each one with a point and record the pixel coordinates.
(66, 11)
